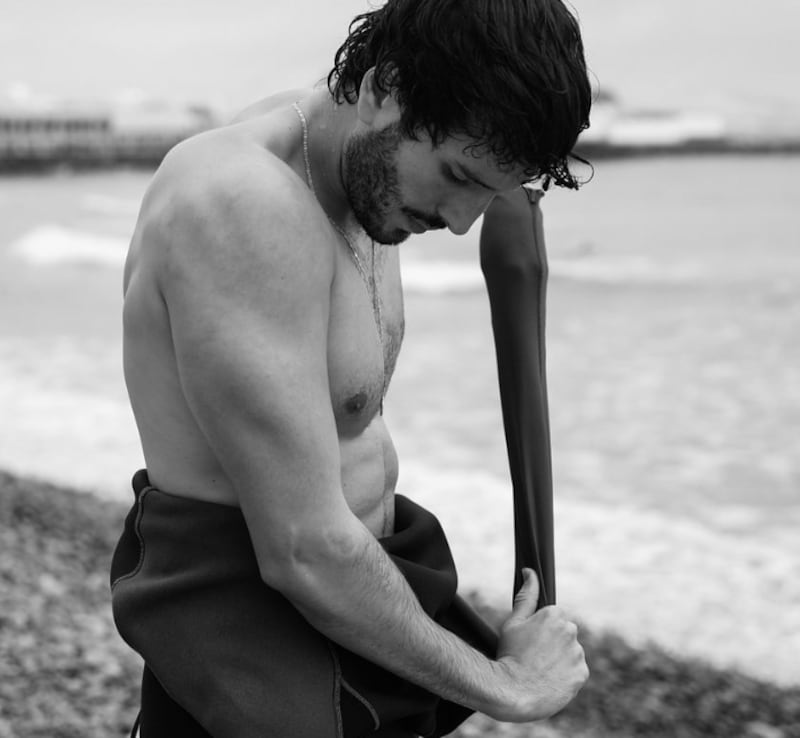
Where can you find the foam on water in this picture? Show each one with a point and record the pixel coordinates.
(49, 245)
(52, 245)
(618, 270)
(691, 589)
(454, 277)
(441, 277)
(71, 424)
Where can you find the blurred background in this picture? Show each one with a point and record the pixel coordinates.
(674, 307)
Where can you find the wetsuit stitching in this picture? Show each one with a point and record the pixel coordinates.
(363, 700)
(135, 728)
(137, 529)
(337, 679)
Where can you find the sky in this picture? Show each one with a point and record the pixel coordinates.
(734, 57)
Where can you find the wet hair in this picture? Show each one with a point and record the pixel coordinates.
(510, 74)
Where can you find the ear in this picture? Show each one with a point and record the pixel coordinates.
(376, 107)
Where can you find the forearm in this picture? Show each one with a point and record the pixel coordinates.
(359, 599)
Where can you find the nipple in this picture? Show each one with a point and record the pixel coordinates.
(356, 403)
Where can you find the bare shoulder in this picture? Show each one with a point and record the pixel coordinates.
(227, 215)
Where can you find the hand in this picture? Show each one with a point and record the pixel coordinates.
(539, 658)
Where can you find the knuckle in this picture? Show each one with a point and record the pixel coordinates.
(582, 672)
(550, 613)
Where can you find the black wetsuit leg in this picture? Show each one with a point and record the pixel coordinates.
(161, 716)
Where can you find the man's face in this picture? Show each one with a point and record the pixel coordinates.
(397, 186)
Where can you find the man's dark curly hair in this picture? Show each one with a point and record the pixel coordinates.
(509, 74)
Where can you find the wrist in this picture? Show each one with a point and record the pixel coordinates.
(500, 702)
(514, 700)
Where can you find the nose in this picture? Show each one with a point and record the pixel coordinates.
(460, 213)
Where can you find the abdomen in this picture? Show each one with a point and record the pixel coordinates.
(369, 476)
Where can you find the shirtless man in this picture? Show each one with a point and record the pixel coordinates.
(263, 316)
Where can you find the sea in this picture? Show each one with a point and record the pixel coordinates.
(674, 378)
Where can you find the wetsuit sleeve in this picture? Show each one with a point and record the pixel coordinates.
(514, 264)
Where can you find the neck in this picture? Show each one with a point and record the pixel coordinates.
(329, 124)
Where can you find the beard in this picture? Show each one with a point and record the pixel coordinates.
(372, 185)
(371, 181)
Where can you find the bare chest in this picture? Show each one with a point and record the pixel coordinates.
(364, 336)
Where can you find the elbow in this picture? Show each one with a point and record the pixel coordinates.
(302, 560)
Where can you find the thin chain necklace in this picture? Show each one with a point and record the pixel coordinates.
(370, 281)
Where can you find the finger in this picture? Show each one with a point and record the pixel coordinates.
(527, 598)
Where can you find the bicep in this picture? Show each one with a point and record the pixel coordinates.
(249, 316)
(257, 388)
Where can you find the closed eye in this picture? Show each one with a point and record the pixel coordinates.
(466, 177)
(450, 174)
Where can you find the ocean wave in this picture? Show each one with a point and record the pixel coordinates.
(453, 277)
(441, 277)
(50, 245)
(625, 270)
(648, 575)
(53, 245)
